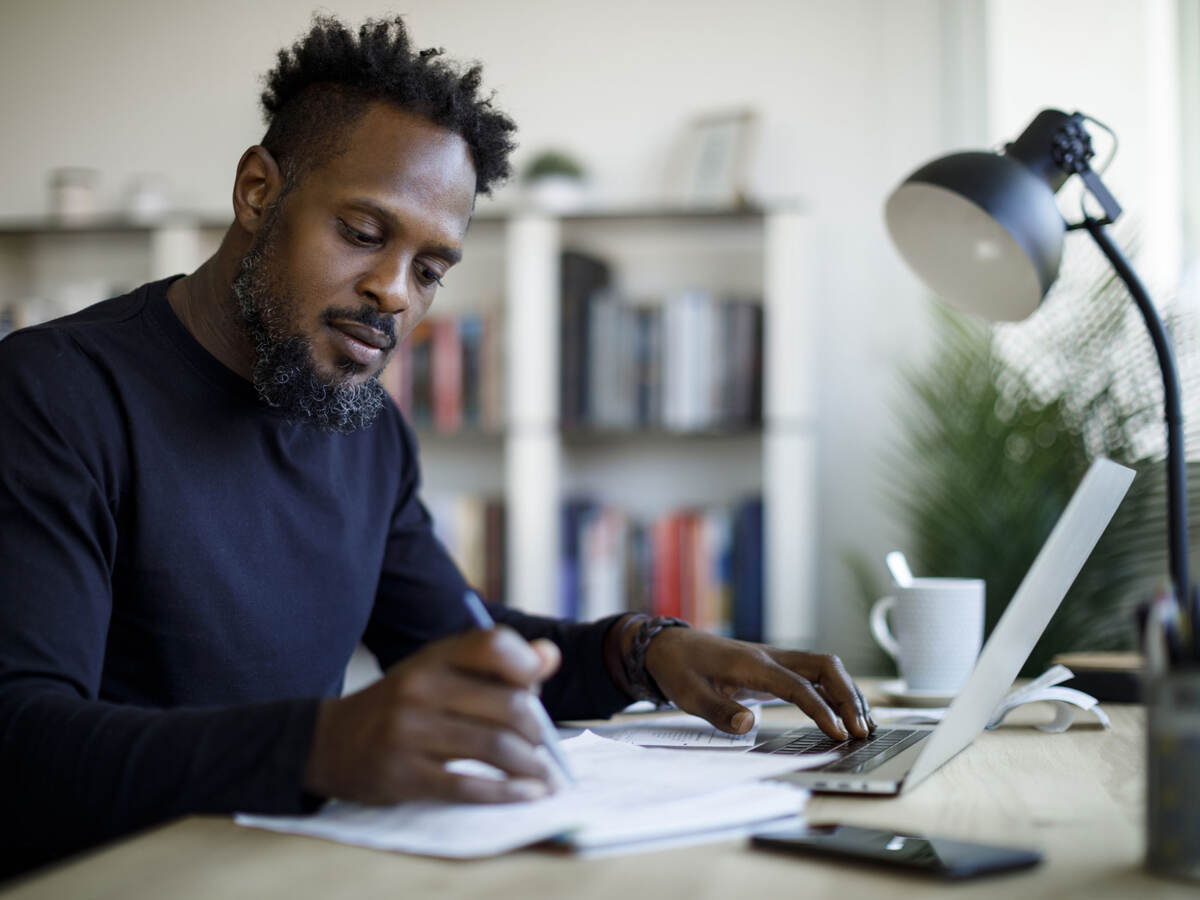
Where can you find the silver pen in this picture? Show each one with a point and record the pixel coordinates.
(483, 619)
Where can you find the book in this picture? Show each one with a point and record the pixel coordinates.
(690, 363)
(746, 570)
(702, 565)
(420, 395)
(470, 336)
(447, 375)
(472, 529)
(491, 366)
(581, 277)
(495, 551)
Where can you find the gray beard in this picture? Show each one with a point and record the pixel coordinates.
(284, 374)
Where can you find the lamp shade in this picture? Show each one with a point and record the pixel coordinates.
(981, 230)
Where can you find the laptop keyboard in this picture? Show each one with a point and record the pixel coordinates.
(859, 754)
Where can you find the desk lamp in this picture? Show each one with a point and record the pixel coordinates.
(983, 231)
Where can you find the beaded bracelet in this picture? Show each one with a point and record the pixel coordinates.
(642, 686)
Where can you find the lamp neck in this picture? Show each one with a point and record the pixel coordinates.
(1177, 497)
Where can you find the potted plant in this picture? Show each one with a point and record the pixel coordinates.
(554, 181)
(999, 430)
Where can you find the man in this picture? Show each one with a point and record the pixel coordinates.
(206, 502)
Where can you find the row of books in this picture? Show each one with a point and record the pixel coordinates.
(702, 565)
(472, 528)
(448, 375)
(690, 363)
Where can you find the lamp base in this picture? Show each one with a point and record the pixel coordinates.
(1173, 778)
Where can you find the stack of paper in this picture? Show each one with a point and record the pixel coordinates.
(625, 793)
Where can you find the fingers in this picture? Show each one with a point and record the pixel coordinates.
(860, 709)
(491, 703)
(502, 654)
(457, 787)
(847, 698)
(466, 697)
(447, 737)
(798, 690)
(698, 697)
(865, 707)
(837, 689)
(550, 655)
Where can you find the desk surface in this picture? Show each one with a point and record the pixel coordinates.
(1076, 796)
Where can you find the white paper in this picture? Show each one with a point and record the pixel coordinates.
(1045, 689)
(908, 715)
(681, 731)
(622, 790)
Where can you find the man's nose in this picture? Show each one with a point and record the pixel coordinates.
(387, 286)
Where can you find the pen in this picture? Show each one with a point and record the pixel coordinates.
(484, 620)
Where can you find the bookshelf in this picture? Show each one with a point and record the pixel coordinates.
(654, 252)
(512, 267)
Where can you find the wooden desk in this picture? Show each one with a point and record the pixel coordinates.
(1076, 796)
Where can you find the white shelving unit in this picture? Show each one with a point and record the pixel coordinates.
(765, 252)
(513, 260)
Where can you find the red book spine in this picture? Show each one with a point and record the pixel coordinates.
(397, 379)
(447, 376)
(707, 603)
(666, 566)
(688, 605)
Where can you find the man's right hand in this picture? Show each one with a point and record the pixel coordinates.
(463, 697)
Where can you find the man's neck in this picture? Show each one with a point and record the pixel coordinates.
(203, 301)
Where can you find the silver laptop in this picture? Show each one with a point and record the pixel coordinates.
(894, 760)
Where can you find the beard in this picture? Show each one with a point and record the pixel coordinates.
(284, 374)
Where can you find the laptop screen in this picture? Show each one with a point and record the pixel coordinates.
(1035, 602)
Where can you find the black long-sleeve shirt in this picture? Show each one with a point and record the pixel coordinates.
(183, 576)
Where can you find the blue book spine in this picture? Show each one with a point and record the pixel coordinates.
(747, 570)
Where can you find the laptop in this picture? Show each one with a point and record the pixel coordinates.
(895, 760)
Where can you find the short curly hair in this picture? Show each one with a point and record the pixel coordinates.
(325, 82)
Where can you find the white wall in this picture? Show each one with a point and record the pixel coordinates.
(853, 95)
(1117, 61)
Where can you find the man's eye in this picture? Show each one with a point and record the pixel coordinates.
(354, 236)
(428, 276)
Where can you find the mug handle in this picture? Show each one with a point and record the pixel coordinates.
(879, 626)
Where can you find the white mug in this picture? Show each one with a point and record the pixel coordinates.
(937, 630)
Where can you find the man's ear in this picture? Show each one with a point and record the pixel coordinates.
(257, 186)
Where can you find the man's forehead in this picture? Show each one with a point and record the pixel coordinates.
(404, 162)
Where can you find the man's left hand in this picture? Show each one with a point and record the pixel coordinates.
(703, 674)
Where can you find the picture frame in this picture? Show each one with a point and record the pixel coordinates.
(712, 166)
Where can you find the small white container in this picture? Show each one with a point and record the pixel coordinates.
(148, 198)
(556, 193)
(73, 195)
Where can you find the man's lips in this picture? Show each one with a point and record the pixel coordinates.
(364, 345)
(364, 333)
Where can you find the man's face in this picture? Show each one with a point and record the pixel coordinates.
(349, 261)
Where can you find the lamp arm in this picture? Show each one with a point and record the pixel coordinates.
(1177, 497)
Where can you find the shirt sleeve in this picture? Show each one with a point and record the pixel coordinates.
(420, 600)
(76, 770)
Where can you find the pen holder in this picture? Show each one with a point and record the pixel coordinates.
(1173, 774)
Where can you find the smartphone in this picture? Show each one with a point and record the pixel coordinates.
(933, 855)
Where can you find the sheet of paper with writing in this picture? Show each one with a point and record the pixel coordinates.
(621, 786)
(678, 730)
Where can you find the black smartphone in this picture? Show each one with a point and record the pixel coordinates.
(933, 855)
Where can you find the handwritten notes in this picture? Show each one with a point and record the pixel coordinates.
(625, 792)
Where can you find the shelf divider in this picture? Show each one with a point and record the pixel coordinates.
(789, 434)
(533, 453)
